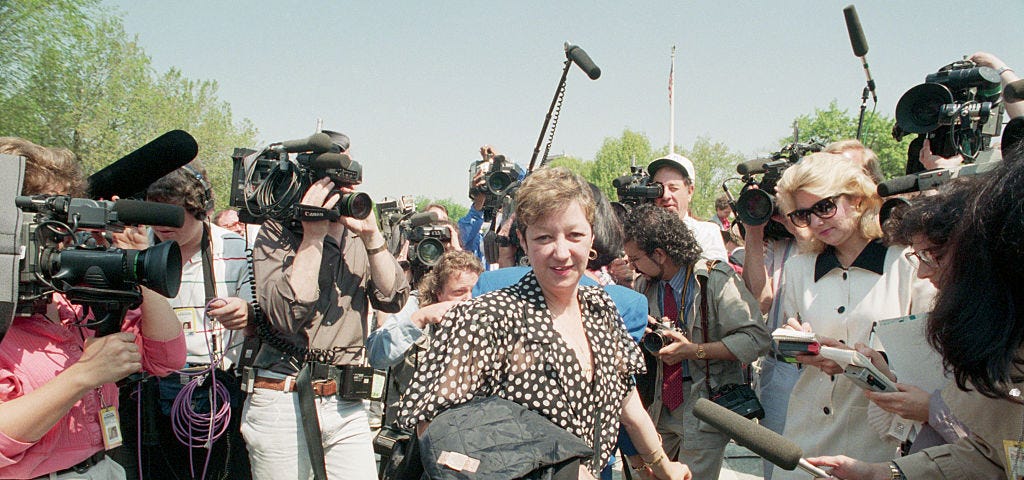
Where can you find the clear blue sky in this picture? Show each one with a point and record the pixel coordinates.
(419, 86)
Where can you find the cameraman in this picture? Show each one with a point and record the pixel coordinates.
(315, 284)
(56, 378)
(471, 225)
(703, 352)
(679, 178)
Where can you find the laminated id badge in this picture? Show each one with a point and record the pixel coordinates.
(110, 425)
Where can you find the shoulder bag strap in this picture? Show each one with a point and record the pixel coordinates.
(704, 319)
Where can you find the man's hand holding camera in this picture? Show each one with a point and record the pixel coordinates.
(680, 349)
(107, 360)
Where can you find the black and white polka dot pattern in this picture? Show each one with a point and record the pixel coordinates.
(504, 343)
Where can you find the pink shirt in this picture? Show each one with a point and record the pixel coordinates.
(33, 352)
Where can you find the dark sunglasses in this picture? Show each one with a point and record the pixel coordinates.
(825, 208)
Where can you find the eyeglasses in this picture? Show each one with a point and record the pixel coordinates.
(926, 256)
(632, 261)
(825, 208)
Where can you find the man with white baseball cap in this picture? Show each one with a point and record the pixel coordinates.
(677, 174)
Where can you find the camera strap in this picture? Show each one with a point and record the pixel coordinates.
(310, 421)
(704, 319)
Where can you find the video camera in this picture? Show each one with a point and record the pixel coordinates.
(635, 189)
(501, 179)
(271, 182)
(105, 279)
(756, 202)
(390, 214)
(958, 109)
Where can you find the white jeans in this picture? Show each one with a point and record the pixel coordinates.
(277, 444)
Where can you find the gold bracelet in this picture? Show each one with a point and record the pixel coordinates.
(657, 454)
(661, 456)
(376, 250)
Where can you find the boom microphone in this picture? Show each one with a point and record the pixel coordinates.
(765, 443)
(753, 167)
(317, 143)
(134, 212)
(133, 173)
(582, 60)
(857, 40)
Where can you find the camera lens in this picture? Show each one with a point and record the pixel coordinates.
(755, 207)
(429, 251)
(159, 268)
(355, 205)
(654, 341)
(497, 182)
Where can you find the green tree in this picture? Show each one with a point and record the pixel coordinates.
(833, 124)
(455, 210)
(614, 158)
(86, 86)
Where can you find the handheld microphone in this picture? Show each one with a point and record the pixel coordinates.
(317, 143)
(134, 212)
(422, 218)
(765, 443)
(860, 44)
(582, 60)
(133, 173)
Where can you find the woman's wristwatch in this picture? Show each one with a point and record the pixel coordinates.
(895, 472)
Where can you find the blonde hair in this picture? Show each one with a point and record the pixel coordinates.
(550, 190)
(448, 265)
(872, 166)
(47, 170)
(826, 175)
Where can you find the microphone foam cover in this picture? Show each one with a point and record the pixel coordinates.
(769, 445)
(134, 212)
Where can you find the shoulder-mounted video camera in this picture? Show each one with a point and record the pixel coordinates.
(958, 109)
(390, 214)
(61, 245)
(756, 203)
(271, 182)
(636, 188)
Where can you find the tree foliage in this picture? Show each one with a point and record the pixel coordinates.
(76, 80)
(455, 210)
(833, 124)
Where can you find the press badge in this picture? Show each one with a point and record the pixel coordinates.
(188, 318)
(111, 427)
(1014, 459)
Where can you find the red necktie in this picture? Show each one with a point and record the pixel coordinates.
(672, 375)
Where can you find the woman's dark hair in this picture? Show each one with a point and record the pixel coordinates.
(651, 227)
(934, 216)
(183, 187)
(977, 324)
(607, 231)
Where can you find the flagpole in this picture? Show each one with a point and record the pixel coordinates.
(672, 104)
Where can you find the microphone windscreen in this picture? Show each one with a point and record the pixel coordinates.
(422, 218)
(860, 44)
(765, 443)
(330, 161)
(898, 185)
(582, 60)
(1014, 91)
(134, 212)
(317, 143)
(133, 173)
(752, 167)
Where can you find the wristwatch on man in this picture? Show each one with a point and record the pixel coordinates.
(701, 354)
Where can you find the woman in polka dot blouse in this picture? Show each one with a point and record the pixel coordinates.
(546, 343)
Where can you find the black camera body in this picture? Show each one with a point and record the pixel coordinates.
(500, 181)
(637, 188)
(656, 339)
(426, 244)
(62, 254)
(271, 182)
(958, 109)
(738, 398)
(755, 206)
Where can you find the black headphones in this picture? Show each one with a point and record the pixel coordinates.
(207, 198)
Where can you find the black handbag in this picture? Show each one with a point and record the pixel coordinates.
(739, 398)
(399, 454)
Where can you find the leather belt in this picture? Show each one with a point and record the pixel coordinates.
(84, 465)
(321, 388)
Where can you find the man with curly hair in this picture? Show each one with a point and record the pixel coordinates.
(661, 247)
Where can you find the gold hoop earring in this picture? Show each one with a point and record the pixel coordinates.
(593, 254)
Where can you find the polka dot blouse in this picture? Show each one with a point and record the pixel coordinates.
(504, 343)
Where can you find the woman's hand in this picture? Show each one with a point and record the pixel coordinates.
(108, 359)
(846, 468)
(876, 359)
(826, 365)
(431, 313)
(910, 402)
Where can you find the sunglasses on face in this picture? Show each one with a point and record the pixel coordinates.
(825, 208)
(926, 256)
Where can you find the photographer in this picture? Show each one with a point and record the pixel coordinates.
(471, 224)
(977, 327)
(213, 307)
(701, 354)
(679, 178)
(56, 378)
(315, 284)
